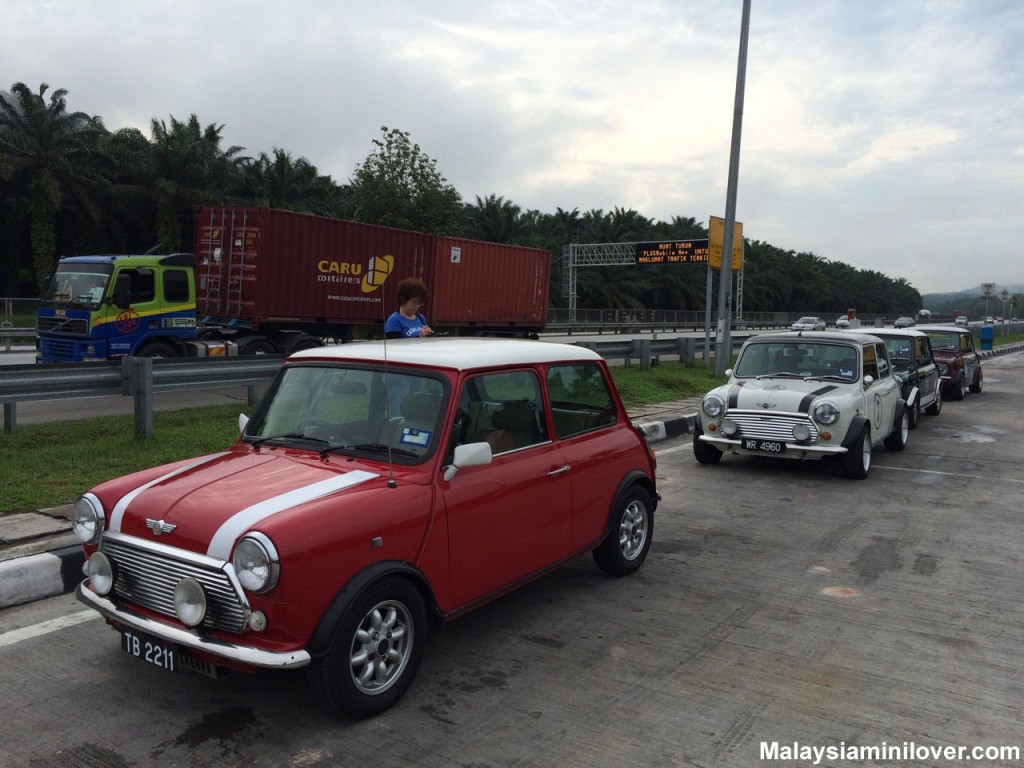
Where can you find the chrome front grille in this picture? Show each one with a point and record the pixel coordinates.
(771, 426)
(147, 577)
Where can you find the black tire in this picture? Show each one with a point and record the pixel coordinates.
(629, 537)
(935, 408)
(304, 341)
(375, 652)
(978, 381)
(255, 345)
(857, 461)
(157, 349)
(705, 453)
(897, 439)
(959, 390)
(914, 411)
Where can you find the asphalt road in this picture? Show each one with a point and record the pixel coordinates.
(781, 605)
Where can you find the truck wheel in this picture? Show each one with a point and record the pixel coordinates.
(705, 453)
(976, 386)
(375, 652)
(625, 547)
(857, 461)
(157, 349)
(897, 439)
(305, 342)
(255, 345)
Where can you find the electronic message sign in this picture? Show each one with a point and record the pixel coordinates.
(672, 252)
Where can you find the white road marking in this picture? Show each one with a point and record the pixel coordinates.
(46, 627)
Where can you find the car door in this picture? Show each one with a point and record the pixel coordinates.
(970, 358)
(882, 394)
(510, 518)
(928, 371)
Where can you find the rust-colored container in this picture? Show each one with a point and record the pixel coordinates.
(488, 284)
(265, 268)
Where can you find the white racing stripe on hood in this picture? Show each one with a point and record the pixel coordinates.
(119, 509)
(224, 539)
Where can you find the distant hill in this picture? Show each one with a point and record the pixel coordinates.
(971, 301)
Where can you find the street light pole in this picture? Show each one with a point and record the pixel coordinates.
(723, 349)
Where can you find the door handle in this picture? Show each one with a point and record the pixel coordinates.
(560, 470)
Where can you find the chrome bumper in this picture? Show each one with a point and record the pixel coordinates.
(238, 653)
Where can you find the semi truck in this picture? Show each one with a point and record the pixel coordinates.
(266, 281)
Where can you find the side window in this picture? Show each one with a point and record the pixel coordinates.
(176, 286)
(143, 285)
(965, 343)
(870, 361)
(580, 399)
(504, 409)
(924, 354)
(883, 361)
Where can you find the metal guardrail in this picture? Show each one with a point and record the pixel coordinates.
(9, 334)
(138, 377)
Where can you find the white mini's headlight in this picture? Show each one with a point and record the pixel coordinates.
(256, 563)
(826, 412)
(190, 602)
(100, 572)
(801, 433)
(728, 427)
(713, 405)
(87, 519)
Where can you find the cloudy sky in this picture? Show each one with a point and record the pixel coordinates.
(885, 134)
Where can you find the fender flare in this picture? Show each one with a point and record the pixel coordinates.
(320, 642)
(913, 397)
(854, 430)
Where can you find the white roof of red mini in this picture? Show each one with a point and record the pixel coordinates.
(455, 354)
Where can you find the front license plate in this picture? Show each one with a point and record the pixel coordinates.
(764, 446)
(149, 649)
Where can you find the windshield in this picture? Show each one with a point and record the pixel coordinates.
(900, 352)
(81, 285)
(360, 410)
(944, 342)
(799, 359)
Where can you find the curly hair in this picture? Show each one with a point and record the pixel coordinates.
(411, 288)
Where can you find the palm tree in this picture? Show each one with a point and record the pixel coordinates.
(51, 159)
(190, 168)
(282, 182)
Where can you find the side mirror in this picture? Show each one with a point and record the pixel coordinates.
(242, 421)
(468, 455)
(868, 381)
(123, 291)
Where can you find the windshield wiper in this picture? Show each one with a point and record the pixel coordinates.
(780, 375)
(287, 436)
(369, 448)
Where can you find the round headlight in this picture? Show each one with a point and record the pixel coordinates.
(713, 405)
(87, 519)
(729, 427)
(100, 571)
(190, 602)
(826, 412)
(256, 563)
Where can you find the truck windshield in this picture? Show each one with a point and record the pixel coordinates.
(78, 285)
(361, 410)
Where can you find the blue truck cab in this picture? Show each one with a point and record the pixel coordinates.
(107, 307)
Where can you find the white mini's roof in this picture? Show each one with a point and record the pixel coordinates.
(455, 354)
(852, 336)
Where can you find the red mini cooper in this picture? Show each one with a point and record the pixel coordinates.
(377, 490)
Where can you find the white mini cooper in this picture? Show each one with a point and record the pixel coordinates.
(806, 395)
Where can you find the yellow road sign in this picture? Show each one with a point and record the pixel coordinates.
(716, 238)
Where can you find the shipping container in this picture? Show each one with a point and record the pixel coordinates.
(261, 268)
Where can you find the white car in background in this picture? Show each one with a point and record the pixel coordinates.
(808, 324)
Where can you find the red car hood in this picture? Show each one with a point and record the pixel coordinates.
(205, 505)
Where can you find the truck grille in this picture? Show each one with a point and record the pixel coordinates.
(56, 349)
(775, 426)
(148, 578)
(64, 326)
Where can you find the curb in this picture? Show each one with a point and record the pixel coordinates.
(57, 571)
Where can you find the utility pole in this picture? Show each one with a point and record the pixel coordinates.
(723, 347)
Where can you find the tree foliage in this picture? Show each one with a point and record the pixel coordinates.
(70, 186)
